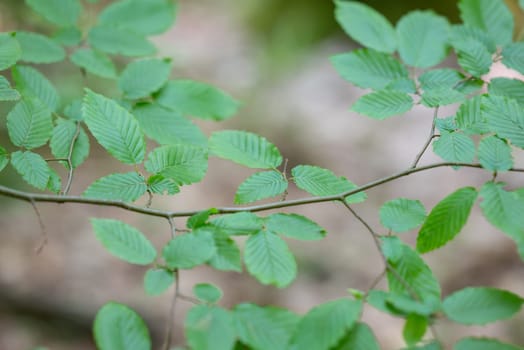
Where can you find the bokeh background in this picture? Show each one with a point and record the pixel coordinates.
(273, 56)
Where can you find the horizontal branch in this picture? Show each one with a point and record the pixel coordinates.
(40, 197)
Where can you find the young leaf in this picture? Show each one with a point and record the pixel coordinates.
(414, 329)
(124, 241)
(160, 185)
(412, 32)
(512, 56)
(491, 16)
(184, 164)
(402, 214)
(207, 292)
(243, 223)
(446, 125)
(119, 41)
(471, 343)
(200, 219)
(4, 158)
(504, 117)
(473, 57)
(126, 187)
(196, 99)
(31, 82)
(54, 184)
(32, 167)
(168, 127)
(322, 182)
(189, 250)
(37, 48)
(495, 154)
(512, 88)
(470, 119)
(360, 337)
(141, 78)
(210, 328)
(29, 124)
(446, 219)
(261, 185)
(95, 62)
(268, 258)
(6, 92)
(227, 254)
(245, 148)
(114, 128)
(294, 226)
(118, 327)
(63, 13)
(157, 281)
(10, 51)
(368, 68)
(61, 139)
(326, 324)
(264, 327)
(455, 147)
(481, 305)
(366, 26)
(383, 104)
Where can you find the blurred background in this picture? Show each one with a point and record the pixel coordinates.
(273, 56)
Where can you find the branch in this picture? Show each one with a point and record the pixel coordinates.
(428, 141)
(69, 160)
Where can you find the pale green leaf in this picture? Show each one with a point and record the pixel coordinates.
(32, 167)
(196, 99)
(442, 96)
(141, 78)
(383, 104)
(446, 125)
(495, 154)
(491, 16)
(446, 219)
(505, 117)
(54, 184)
(368, 68)
(366, 26)
(126, 187)
(124, 241)
(481, 305)
(261, 185)
(245, 148)
(210, 328)
(119, 41)
(190, 250)
(455, 147)
(73, 110)
(161, 185)
(63, 135)
(512, 88)
(440, 78)
(63, 13)
(6, 92)
(402, 214)
(469, 117)
(118, 327)
(402, 85)
(157, 281)
(243, 223)
(4, 158)
(473, 57)
(114, 128)
(483, 344)
(414, 329)
(68, 36)
(29, 124)
(30, 82)
(268, 258)
(513, 56)
(360, 337)
(326, 324)
(227, 254)
(294, 226)
(10, 51)
(413, 31)
(38, 48)
(207, 292)
(184, 164)
(94, 62)
(463, 32)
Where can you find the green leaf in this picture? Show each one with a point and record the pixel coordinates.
(495, 154)
(38, 48)
(196, 99)
(73, 110)
(10, 51)
(483, 344)
(462, 32)
(473, 57)
(200, 219)
(126, 187)
(55, 181)
(168, 127)
(94, 62)
(441, 97)
(406, 305)
(6, 92)
(261, 185)
(440, 78)
(402, 85)
(68, 36)
(32, 167)
(505, 117)
(30, 82)
(360, 337)
(114, 128)
(184, 164)
(119, 41)
(157, 281)
(326, 324)
(322, 182)
(124, 241)
(268, 258)
(368, 68)
(210, 328)
(413, 31)
(243, 223)
(227, 254)
(469, 117)
(245, 148)
(402, 214)
(207, 292)
(512, 88)
(414, 329)
(481, 305)
(512, 56)
(143, 17)
(446, 125)
(160, 185)
(29, 124)
(118, 327)
(446, 219)
(491, 16)
(455, 147)
(4, 158)
(141, 78)
(190, 250)
(294, 226)
(366, 26)
(434, 345)
(383, 104)
(63, 13)
(61, 139)
(264, 327)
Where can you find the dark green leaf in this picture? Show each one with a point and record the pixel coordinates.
(294, 226)
(55, 181)
(10, 51)
(190, 250)
(243, 223)
(95, 62)
(32, 167)
(210, 328)
(495, 154)
(61, 139)
(160, 185)
(157, 281)
(200, 219)
(455, 147)
(491, 16)
(360, 337)
(119, 41)
(414, 329)
(37, 48)
(30, 82)
(261, 185)
(483, 344)
(406, 305)
(126, 187)
(383, 104)
(141, 78)
(513, 56)
(6, 92)
(207, 292)
(402, 214)
(505, 117)
(29, 124)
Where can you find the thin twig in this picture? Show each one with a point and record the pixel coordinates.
(43, 231)
(172, 226)
(56, 159)
(171, 316)
(70, 162)
(189, 299)
(376, 281)
(359, 218)
(428, 141)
